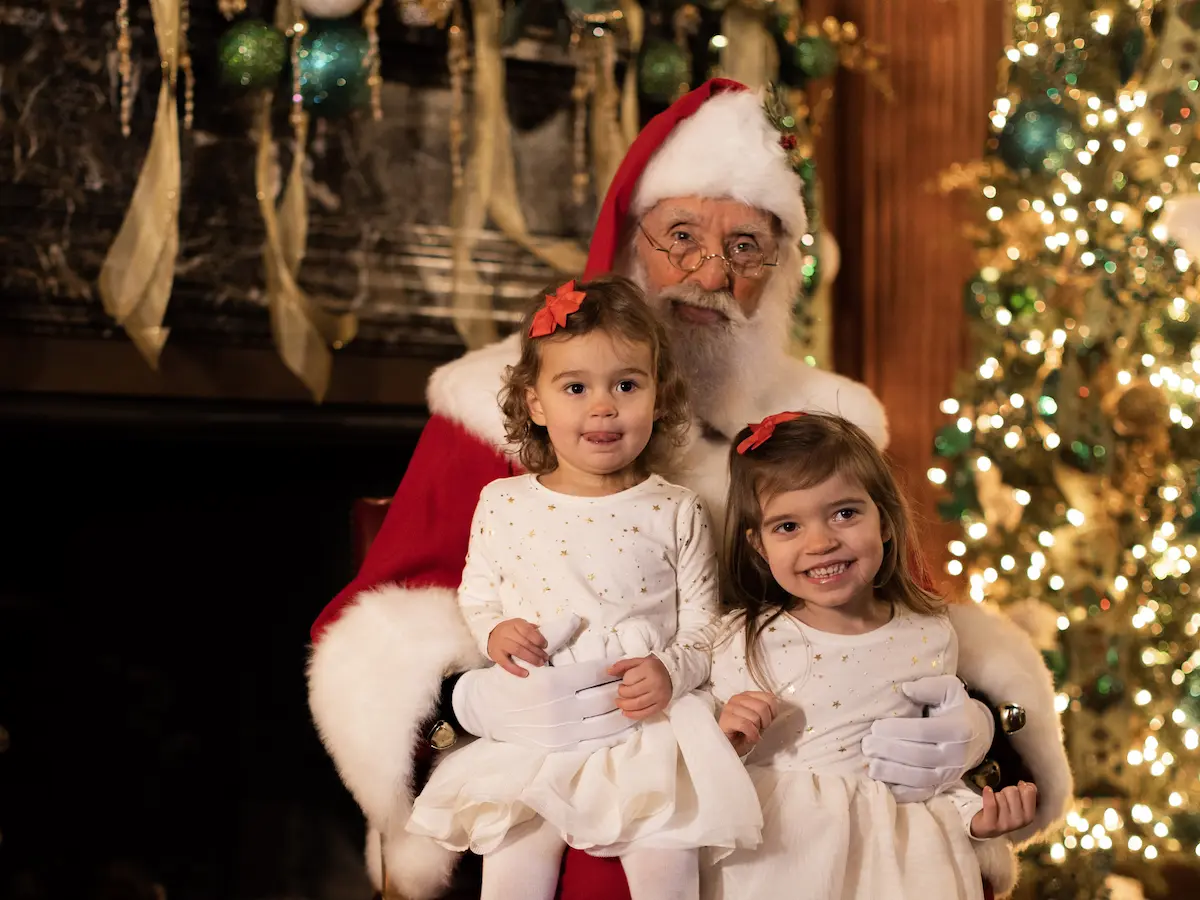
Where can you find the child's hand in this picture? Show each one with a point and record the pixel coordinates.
(645, 686)
(515, 639)
(1007, 811)
(746, 716)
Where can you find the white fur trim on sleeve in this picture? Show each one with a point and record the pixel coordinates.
(996, 657)
(373, 679)
(998, 864)
(466, 390)
(727, 148)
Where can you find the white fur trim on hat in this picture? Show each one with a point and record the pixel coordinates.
(728, 148)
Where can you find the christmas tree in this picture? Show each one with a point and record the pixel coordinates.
(1071, 453)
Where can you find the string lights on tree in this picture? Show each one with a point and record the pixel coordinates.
(1071, 451)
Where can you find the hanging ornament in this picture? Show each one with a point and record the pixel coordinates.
(1038, 136)
(251, 55)
(231, 8)
(1141, 411)
(334, 68)
(664, 71)
(330, 9)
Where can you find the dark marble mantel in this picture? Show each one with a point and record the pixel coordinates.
(379, 191)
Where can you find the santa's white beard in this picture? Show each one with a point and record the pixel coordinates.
(722, 361)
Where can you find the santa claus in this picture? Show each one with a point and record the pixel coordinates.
(706, 215)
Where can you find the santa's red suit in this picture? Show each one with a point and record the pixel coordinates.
(384, 645)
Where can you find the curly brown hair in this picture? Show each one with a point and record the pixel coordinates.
(617, 306)
(800, 454)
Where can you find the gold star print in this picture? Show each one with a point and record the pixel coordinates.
(510, 499)
(531, 532)
(925, 639)
(643, 590)
(933, 664)
(591, 577)
(837, 704)
(551, 507)
(656, 507)
(808, 729)
(589, 520)
(518, 557)
(772, 628)
(634, 529)
(841, 749)
(914, 660)
(817, 657)
(563, 552)
(845, 656)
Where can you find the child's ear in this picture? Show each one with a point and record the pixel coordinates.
(885, 527)
(755, 541)
(535, 407)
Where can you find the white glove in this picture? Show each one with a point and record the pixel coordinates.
(916, 757)
(553, 708)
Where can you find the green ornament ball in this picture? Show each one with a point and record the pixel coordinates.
(951, 441)
(333, 71)
(1038, 136)
(815, 55)
(663, 71)
(1056, 663)
(251, 55)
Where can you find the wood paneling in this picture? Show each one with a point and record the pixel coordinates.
(899, 323)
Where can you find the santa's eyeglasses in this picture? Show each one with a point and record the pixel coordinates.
(742, 257)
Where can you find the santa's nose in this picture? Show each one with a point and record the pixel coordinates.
(711, 275)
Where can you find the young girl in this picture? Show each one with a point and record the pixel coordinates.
(594, 404)
(831, 623)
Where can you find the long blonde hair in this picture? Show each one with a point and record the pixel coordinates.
(800, 454)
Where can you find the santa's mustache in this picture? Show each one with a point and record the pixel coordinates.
(695, 295)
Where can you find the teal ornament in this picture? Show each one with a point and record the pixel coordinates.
(664, 71)
(1038, 136)
(333, 70)
(815, 56)
(251, 55)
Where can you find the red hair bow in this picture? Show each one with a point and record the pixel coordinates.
(559, 305)
(764, 429)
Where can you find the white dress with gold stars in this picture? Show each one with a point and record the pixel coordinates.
(829, 831)
(639, 569)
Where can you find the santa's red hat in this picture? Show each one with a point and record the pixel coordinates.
(715, 141)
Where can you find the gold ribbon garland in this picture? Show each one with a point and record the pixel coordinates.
(138, 273)
(303, 332)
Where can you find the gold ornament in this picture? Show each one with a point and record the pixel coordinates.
(375, 80)
(231, 8)
(1140, 410)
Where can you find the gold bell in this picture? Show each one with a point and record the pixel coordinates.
(1012, 718)
(986, 774)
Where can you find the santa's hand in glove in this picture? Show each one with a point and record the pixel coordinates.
(552, 708)
(916, 757)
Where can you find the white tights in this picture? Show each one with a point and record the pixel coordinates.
(527, 864)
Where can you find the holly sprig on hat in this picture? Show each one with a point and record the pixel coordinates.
(796, 142)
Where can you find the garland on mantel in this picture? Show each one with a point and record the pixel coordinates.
(331, 50)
